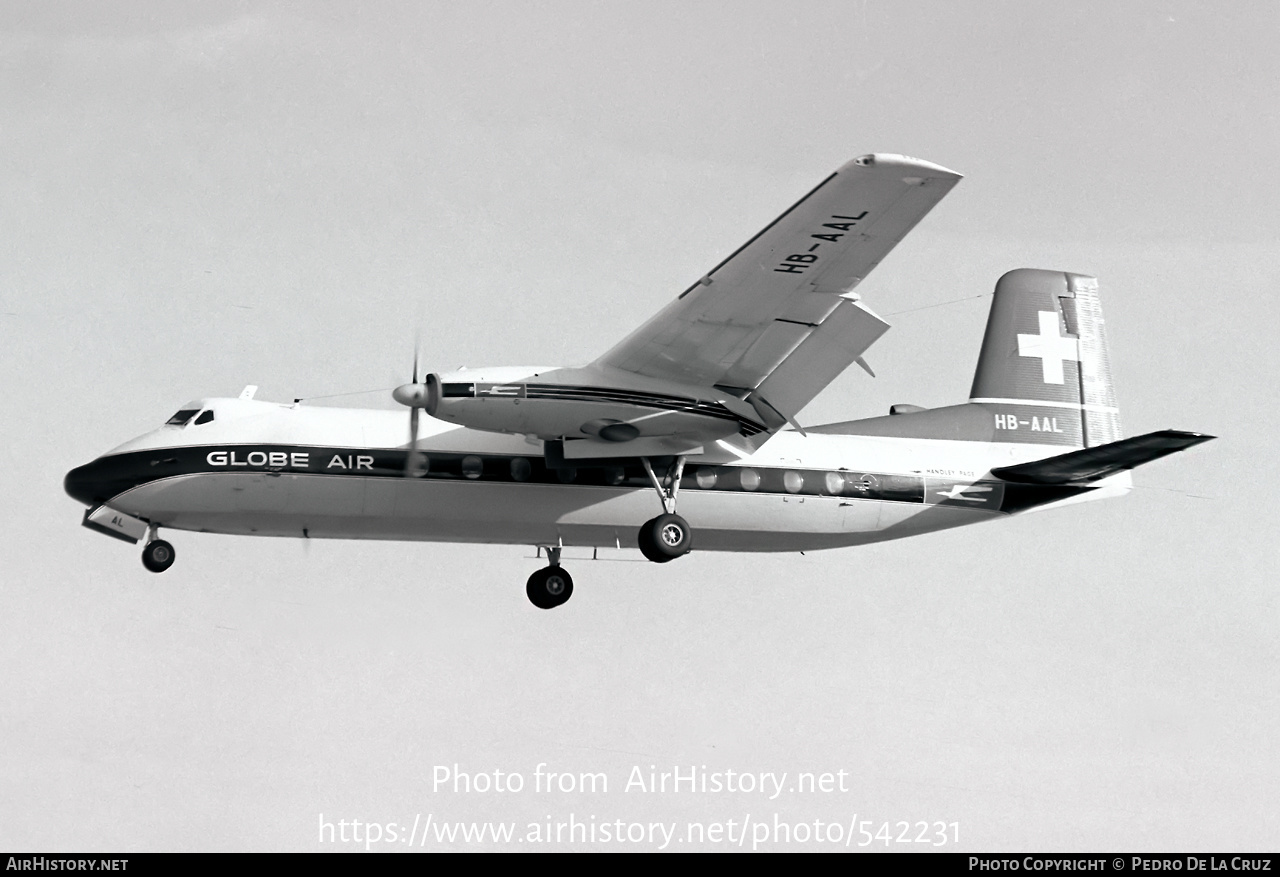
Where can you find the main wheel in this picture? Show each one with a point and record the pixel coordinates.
(549, 587)
(158, 555)
(665, 538)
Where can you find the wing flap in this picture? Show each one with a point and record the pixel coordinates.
(810, 307)
(828, 350)
(1093, 464)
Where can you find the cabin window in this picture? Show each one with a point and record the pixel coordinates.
(181, 418)
(205, 417)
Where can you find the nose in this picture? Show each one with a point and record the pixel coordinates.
(88, 484)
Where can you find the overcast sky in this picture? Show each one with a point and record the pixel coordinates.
(199, 196)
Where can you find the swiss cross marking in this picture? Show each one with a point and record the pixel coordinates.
(1051, 347)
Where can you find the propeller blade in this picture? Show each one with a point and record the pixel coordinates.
(413, 395)
(412, 462)
(417, 345)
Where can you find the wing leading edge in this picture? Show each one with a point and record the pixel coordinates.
(777, 320)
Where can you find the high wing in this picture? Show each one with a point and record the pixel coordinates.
(778, 320)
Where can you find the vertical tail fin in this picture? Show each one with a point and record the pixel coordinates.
(1045, 350)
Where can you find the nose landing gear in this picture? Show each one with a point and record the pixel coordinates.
(157, 555)
(550, 586)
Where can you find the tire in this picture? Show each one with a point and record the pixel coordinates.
(549, 587)
(158, 555)
(646, 540)
(665, 538)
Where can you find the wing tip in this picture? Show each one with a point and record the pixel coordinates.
(901, 162)
(1190, 438)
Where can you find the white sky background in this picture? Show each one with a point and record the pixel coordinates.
(201, 196)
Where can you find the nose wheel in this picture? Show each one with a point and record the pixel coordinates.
(550, 586)
(158, 555)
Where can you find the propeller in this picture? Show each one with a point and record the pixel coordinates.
(415, 395)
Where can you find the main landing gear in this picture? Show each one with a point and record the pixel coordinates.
(550, 586)
(157, 555)
(668, 536)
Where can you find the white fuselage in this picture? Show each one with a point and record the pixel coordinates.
(291, 470)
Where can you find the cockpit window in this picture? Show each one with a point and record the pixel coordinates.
(205, 417)
(181, 418)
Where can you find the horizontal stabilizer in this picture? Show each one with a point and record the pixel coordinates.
(1092, 464)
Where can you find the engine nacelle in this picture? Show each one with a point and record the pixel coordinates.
(558, 403)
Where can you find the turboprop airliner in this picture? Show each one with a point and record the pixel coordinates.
(683, 434)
